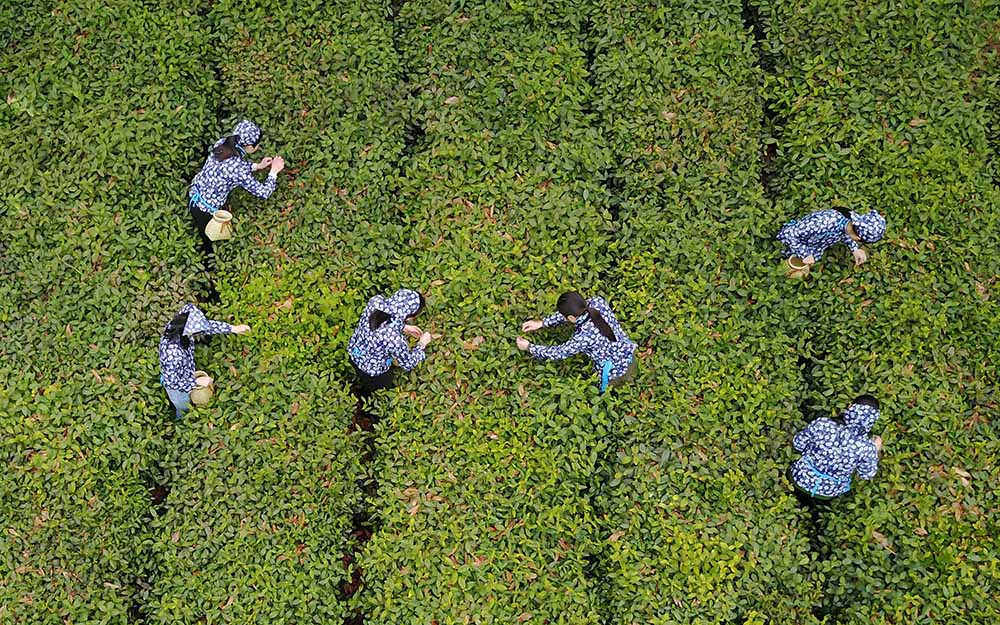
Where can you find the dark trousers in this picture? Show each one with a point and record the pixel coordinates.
(368, 384)
(201, 219)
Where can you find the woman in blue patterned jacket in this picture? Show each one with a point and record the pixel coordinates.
(832, 451)
(177, 352)
(226, 168)
(597, 334)
(809, 237)
(378, 340)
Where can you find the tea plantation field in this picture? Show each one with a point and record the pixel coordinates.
(493, 154)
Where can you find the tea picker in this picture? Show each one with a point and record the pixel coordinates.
(597, 334)
(177, 372)
(226, 168)
(806, 239)
(834, 450)
(378, 340)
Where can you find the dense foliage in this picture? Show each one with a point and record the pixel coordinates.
(885, 108)
(491, 155)
(266, 484)
(99, 125)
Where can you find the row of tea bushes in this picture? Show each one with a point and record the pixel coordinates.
(879, 106)
(265, 481)
(100, 99)
(259, 524)
(485, 458)
(699, 521)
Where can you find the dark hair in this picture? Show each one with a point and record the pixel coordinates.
(846, 214)
(175, 330)
(572, 303)
(228, 148)
(378, 317)
(867, 400)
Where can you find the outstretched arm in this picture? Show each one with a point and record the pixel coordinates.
(263, 190)
(851, 243)
(557, 352)
(553, 320)
(404, 356)
(217, 327)
(868, 462)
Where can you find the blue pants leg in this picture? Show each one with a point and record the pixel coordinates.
(181, 401)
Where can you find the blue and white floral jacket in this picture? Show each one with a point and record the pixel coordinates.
(176, 361)
(813, 234)
(833, 452)
(210, 188)
(587, 339)
(374, 351)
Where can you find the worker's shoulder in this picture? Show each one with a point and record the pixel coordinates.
(824, 424)
(598, 302)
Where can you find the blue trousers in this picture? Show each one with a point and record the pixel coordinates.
(181, 401)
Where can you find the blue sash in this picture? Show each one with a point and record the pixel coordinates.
(846, 483)
(200, 202)
(606, 374)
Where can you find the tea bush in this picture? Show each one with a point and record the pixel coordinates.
(484, 459)
(259, 524)
(698, 527)
(264, 483)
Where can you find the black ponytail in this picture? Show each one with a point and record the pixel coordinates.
(227, 149)
(175, 331)
(377, 319)
(572, 303)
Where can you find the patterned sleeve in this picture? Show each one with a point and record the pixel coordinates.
(217, 327)
(571, 347)
(405, 357)
(868, 462)
(804, 440)
(851, 243)
(397, 324)
(553, 320)
(263, 190)
(798, 234)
